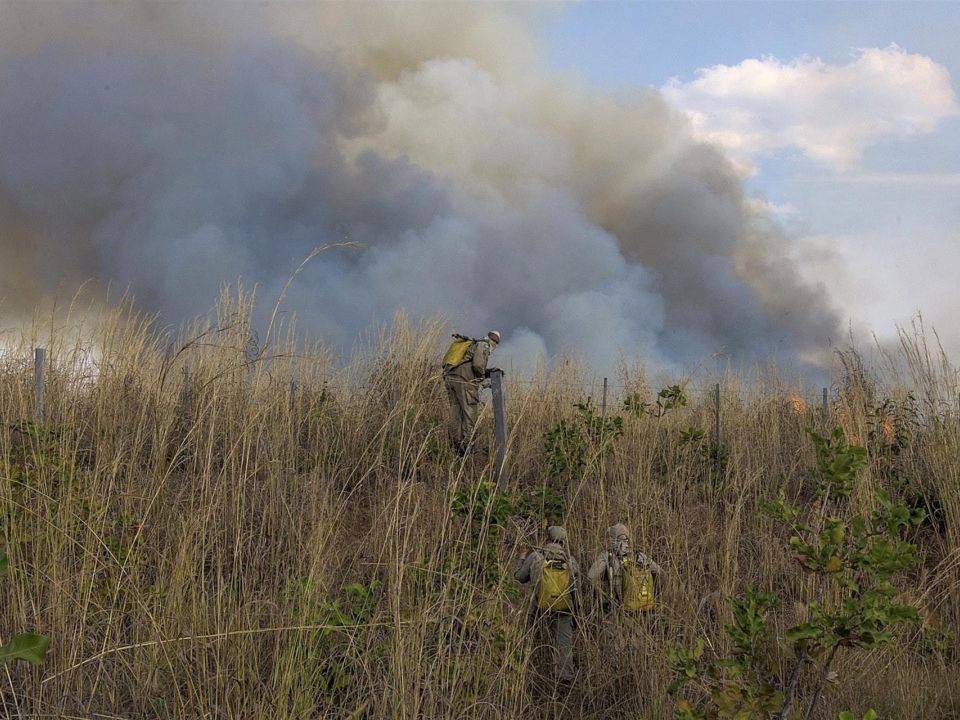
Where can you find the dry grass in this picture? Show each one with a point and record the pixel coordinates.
(183, 544)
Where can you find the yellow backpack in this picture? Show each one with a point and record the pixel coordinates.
(555, 591)
(457, 351)
(637, 587)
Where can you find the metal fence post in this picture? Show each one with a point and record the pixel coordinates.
(603, 403)
(39, 380)
(185, 395)
(500, 474)
(825, 414)
(293, 405)
(716, 415)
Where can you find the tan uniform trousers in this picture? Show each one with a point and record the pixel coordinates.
(561, 627)
(464, 397)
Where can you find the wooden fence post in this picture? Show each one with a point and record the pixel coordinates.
(603, 403)
(500, 474)
(39, 380)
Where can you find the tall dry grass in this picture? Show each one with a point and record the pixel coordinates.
(227, 546)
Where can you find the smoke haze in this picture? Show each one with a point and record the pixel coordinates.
(171, 148)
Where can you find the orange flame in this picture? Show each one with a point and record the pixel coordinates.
(797, 403)
(887, 428)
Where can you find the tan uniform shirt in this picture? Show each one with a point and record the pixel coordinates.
(474, 366)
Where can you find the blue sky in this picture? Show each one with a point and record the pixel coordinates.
(881, 230)
(619, 44)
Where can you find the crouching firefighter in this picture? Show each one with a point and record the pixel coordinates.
(623, 578)
(555, 577)
(464, 368)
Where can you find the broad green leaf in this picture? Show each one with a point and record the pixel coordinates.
(357, 590)
(804, 631)
(26, 646)
(771, 700)
(676, 685)
(871, 714)
(837, 533)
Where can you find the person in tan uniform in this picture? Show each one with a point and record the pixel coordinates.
(626, 583)
(463, 390)
(560, 621)
(606, 572)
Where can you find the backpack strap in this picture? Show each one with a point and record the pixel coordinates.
(614, 586)
(458, 336)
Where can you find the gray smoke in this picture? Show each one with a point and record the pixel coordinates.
(172, 148)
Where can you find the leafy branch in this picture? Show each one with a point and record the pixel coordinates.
(856, 557)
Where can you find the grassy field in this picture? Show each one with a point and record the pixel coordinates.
(222, 546)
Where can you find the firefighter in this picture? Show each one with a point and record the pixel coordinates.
(464, 368)
(554, 575)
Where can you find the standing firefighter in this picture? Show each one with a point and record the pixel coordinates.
(464, 368)
(555, 576)
(622, 577)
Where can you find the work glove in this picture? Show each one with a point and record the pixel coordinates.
(643, 561)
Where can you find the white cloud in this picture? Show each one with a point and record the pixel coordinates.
(831, 113)
(766, 207)
(929, 179)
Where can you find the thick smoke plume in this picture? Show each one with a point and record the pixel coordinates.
(171, 148)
